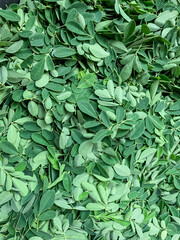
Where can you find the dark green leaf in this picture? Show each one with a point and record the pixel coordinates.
(9, 15)
(47, 215)
(62, 52)
(38, 70)
(47, 201)
(87, 108)
(100, 135)
(75, 28)
(8, 148)
(138, 130)
(129, 30)
(39, 139)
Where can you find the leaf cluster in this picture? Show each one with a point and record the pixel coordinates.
(90, 120)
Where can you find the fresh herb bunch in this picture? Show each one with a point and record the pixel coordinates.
(90, 120)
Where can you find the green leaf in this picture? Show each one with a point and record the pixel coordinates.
(33, 108)
(81, 7)
(162, 18)
(62, 52)
(144, 77)
(91, 189)
(123, 14)
(54, 161)
(67, 182)
(20, 186)
(177, 219)
(37, 40)
(3, 75)
(126, 71)
(30, 22)
(138, 130)
(31, 126)
(75, 27)
(145, 29)
(153, 88)
(38, 70)
(15, 47)
(36, 238)
(177, 183)
(103, 93)
(75, 235)
(149, 152)
(122, 222)
(137, 64)
(8, 148)
(64, 96)
(46, 216)
(49, 63)
(100, 135)
(39, 139)
(9, 15)
(63, 204)
(129, 30)
(27, 62)
(21, 166)
(54, 87)
(103, 194)
(118, 46)
(98, 51)
(110, 87)
(87, 81)
(87, 108)
(120, 114)
(157, 122)
(175, 106)
(14, 76)
(122, 170)
(95, 206)
(153, 27)
(139, 230)
(105, 119)
(102, 170)
(47, 201)
(5, 197)
(85, 148)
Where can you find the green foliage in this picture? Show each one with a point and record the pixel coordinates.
(90, 120)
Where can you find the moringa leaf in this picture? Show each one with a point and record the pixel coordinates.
(89, 120)
(75, 27)
(15, 47)
(38, 70)
(85, 148)
(87, 108)
(20, 186)
(9, 15)
(95, 206)
(39, 139)
(129, 30)
(62, 52)
(87, 81)
(37, 39)
(100, 135)
(50, 214)
(47, 201)
(122, 170)
(8, 148)
(138, 130)
(5, 197)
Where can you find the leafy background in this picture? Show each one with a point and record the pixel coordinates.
(90, 120)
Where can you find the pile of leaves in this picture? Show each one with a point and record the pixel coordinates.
(90, 120)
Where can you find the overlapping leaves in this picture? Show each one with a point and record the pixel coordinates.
(89, 120)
